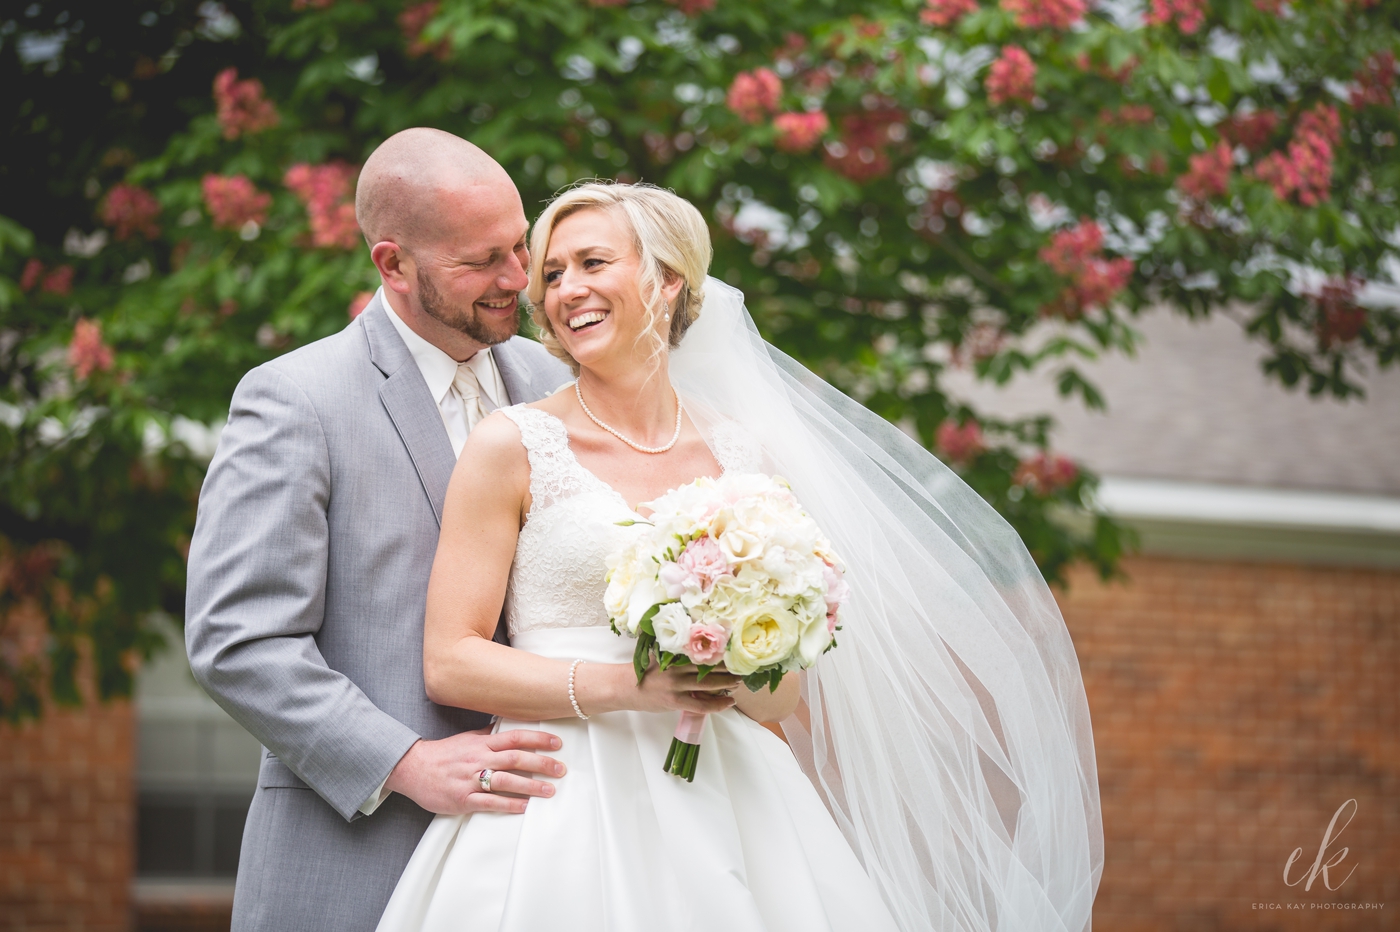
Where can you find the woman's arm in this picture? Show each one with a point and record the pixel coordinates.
(764, 706)
(487, 500)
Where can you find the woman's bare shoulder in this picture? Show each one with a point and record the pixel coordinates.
(494, 444)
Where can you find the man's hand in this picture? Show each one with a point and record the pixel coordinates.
(443, 776)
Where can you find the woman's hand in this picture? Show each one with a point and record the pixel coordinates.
(613, 686)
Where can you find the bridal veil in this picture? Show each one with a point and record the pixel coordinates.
(948, 733)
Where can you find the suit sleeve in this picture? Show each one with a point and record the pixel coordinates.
(256, 599)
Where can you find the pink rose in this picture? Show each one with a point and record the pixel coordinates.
(705, 561)
(706, 643)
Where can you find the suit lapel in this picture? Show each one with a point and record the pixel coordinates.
(410, 406)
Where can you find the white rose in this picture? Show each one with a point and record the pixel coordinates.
(622, 576)
(761, 638)
(645, 593)
(672, 626)
(814, 634)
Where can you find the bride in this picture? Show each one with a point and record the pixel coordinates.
(937, 770)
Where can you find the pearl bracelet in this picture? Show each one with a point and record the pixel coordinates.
(572, 700)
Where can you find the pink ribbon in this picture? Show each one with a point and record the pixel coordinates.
(691, 724)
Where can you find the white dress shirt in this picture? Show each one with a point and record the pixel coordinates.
(449, 381)
(464, 393)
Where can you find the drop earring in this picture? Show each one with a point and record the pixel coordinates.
(666, 309)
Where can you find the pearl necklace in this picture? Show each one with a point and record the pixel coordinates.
(636, 446)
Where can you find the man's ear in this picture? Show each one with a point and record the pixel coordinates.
(394, 264)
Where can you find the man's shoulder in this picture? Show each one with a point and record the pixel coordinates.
(326, 359)
(334, 363)
(544, 372)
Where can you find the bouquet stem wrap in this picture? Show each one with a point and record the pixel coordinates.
(685, 746)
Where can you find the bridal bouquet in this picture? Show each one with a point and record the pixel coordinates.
(731, 574)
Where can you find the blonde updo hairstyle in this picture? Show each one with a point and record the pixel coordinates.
(669, 235)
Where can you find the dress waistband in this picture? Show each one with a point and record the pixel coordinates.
(594, 643)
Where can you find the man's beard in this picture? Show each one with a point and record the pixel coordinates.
(479, 330)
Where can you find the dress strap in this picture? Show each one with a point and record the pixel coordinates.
(554, 472)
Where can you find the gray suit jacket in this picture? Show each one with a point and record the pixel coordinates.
(308, 577)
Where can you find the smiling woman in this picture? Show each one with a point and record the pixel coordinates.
(606, 233)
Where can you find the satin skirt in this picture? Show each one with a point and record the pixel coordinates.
(623, 846)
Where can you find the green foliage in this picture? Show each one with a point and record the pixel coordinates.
(932, 226)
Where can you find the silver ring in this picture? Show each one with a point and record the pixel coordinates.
(484, 778)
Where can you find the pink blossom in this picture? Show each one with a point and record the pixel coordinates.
(1278, 172)
(1306, 170)
(412, 21)
(1070, 249)
(1210, 173)
(30, 276)
(326, 190)
(1077, 254)
(1339, 318)
(1188, 14)
(1269, 6)
(1374, 81)
(1045, 473)
(705, 644)
(943, 13)
(87, 353)
(961, 443)
(704, 559)
(754, 94)
(1322, 122)
(233, 201)
(359, 303)
(1100, 281)
(693, 7)
(241, 105)
(1011, 77)
(130, 210)
(1129, 115)
(862, 154)
(1047, 14)
(59, 281)
(1251, 130)
(799, 132)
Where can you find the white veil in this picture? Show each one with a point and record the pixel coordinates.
(948, 733)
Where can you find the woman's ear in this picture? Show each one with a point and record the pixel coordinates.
(671, 285)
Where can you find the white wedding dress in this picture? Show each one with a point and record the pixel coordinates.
(624, 846)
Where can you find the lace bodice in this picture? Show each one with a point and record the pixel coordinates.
(556, 580)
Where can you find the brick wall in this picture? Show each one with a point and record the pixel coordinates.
(66, 812)
(1236, 706)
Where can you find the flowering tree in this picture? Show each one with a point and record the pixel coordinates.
(901, 188)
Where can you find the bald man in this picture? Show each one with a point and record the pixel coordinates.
(317, 526)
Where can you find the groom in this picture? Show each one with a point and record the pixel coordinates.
(317, 526)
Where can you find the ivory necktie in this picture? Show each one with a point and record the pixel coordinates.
(475, 403)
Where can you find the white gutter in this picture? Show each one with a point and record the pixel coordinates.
(1202, 503)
